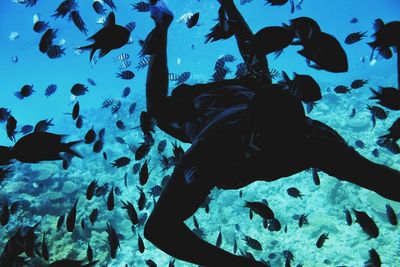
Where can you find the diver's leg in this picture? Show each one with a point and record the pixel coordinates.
(165, 227)
(257, 66)
(345, 163)
(157, 74)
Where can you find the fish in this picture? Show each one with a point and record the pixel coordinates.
(385, 37)
(326, 53)
(91, 189)
(98, 8)
(64, 8)
(394, 131)
(367, 224)
(51, 89)
(120, 125)
(354, 37)
(115, 107)
(43, 125)
(303, 28)
(142, 199)
(315, 176)
(110, 3)
(378, 112)
(141, 6)
(303, 220)
(375, 153)
(132, 214)
(98, 146)
(79, 89)
(25, 91)
(150, 263)
(354, 20)
(136, 168)
(253, 243)
(110, 200)
(161, 146)
(122, 57)
(40, 26)
(118, 35)
(93, 216)
(302, 86)
(90, 136)
(223, 30)
(46, 41)
(91, 81)
(14, 59)
(143, 63)
(173, 77)
(79, 122)
(193, 20)
(390, 145)
(141, 246)
(261, 209)
(356, 84)
(321, 240)
(388, 97)
(183, 78)
(78, 21)
(126, 75)
(273, 225)
(353, 113)
(341, 89)
(144, 173)
(185, 17)
(260, 46)
(107, 103)
(13, 36)
(45, 250)
(374, 259)
(132, 108)
(113, 240)
(392, 217)
(121, 162)
(10, 128)
(89, 253)
(71, 218)
(50, 146)
(294, 192)
(60, 222)
(349, 220)
(125, 64)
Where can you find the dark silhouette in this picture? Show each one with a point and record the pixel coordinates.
(241, 131)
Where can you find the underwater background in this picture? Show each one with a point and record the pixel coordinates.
(45, 191)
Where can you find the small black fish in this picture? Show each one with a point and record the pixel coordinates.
(294, 192)
(136, 168)
(43, 125)
(126, 75)
(195, 223)
(349, 220)
(367, 223)
(144, 173)
(104, 155)
(4, 114)
(356, 84)
(261, 209)
(374, 259)
(27, 129)
(79, 89)
(390, 145)
(341, 89)
(260, 47)
(60, 221)
(79, 122)
(51, 89)
(132, 108)
(142, 199)
(354, 20)
(110, 200)
(98, 146)
(120, 125)
(375, 153)
(126, 92)
(90, 136)
(151, 263)
(378, 112)
(315, 176)
(360, 144)
(71, 218)
(26, 90)
(89, 251)
(321, 240)
(353, 113)
(132, 214)
(83, 226)
(193, 20)
(40, 26)
(121, 162)
(161, 146)
(46, 41)
(55, 51)
(113, 241)
(303, 220)
(273, 225)
(91, 81)
(108, 102)
(253, 243)
(304, 29)
(91, 189)
(64, 8)
(140, 244)
(98, 8)
(93, 216)
(10, 128)
(392, 217)
(354, 37)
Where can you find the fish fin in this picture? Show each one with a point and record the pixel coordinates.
(378, 24)
(68, 148)
(385, 52)
(292, 6)
(110, 20)
(373, 121)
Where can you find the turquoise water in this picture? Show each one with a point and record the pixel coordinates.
(46, 199)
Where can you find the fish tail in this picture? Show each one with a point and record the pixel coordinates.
(92, 49)
(373, 45)
(68, 148)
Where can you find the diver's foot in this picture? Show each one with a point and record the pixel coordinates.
(160, 13)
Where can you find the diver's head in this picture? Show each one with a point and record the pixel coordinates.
(274, 114)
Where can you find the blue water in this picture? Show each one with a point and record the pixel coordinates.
(187, 52)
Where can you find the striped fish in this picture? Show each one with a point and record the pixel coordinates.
(220, 74)
(183, 77)
(143, 63)
(125, 64)
(229, 58)
(274, 74)
(122, 57)
(241, 69)
(141, 7)
(220, 64)
(185, 17)
(108, 102)
(173, 77)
